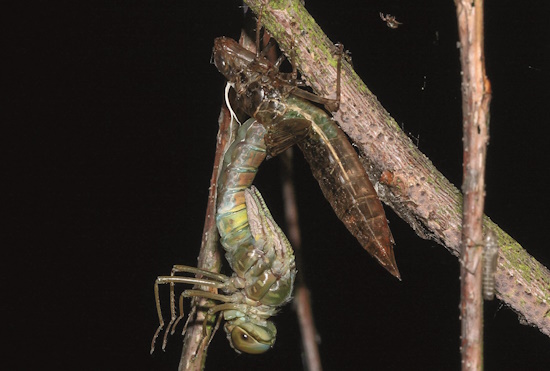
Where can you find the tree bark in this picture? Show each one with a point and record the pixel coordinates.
(404, 177)
(476, 96)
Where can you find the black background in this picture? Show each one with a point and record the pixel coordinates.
(114, 109)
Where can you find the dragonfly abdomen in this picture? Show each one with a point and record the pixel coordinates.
(345, 184)
(241, 163)
(266, 265)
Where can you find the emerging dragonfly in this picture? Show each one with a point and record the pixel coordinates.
(257, 250)
(275, 101)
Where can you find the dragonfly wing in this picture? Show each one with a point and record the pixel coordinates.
(285, 134)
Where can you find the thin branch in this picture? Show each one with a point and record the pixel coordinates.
(476, 96)
(302, 301)
(193, 356)
(411, 184)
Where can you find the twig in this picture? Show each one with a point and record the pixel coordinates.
(193, 356)
(476, 96)
(411, 185)
(302, 300)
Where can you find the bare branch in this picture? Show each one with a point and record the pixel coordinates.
(411, 184)
(476, 96)
(302, 302)
(193, 356)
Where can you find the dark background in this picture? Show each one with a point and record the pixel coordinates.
(113, 119)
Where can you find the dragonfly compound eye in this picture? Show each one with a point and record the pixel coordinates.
(252, 338)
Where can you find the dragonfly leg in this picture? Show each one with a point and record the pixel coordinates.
(230, 306)
(293, 62)
(182, 314)
(213, 280)
(339, 74)
(161, 320)
(192, 313)
(216, 327)
(209, 295)
(186, 269)
(258, 28)
(267, 38)
(210, 313)
(331, 104)
(205, 335)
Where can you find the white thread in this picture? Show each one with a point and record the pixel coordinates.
(233, 115)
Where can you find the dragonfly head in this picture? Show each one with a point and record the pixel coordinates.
(230, 58)
(249, 336)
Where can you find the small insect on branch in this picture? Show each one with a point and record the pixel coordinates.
(490, 259)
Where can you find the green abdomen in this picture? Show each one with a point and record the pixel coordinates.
(241, 163)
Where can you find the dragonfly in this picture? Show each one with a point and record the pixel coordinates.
(257, 250)
(290, 117)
